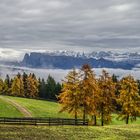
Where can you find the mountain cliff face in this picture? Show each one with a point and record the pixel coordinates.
(65, 61)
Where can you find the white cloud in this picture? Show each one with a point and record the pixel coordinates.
(57, 4)
(70, 23)
(10, 54)
(123, 7)
(31, 12)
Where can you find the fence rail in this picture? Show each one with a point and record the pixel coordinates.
(42, 121)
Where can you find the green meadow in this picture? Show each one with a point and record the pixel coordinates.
(41, 108)
(114, 132)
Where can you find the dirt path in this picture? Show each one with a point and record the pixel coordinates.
(20, 108)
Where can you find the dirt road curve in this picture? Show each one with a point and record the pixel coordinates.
(22, 109)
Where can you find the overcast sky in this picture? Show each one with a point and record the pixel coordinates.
(70, 24)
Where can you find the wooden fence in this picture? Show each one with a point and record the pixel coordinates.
(42, 121)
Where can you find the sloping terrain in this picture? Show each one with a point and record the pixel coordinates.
(8, 110)
(20, 108)
(39, 108)
(35, 108)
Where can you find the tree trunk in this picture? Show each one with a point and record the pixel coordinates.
(95, 120)
(102, 116)
(75, 118)
(127, 119)
(84, 116)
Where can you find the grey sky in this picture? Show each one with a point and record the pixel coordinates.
(70, 24)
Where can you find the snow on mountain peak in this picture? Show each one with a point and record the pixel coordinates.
(97, 55)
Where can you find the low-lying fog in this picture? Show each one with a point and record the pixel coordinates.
(59, 74)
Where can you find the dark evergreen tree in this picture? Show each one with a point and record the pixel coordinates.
(7, 85)
(39, 87)
(51, 88)
(24, 78)
(114, 78)
(42, 88)
(8, 81)
(58, 88)
(117, 93)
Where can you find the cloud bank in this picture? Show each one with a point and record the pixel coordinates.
(59, 74)
(70, 24)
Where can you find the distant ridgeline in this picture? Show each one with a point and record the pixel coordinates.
(63, 61)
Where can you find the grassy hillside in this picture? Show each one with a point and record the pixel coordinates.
(39, 108)
(125, 132)
(7, 110)
(115, 121)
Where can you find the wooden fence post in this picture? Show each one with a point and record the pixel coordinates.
(49, 121)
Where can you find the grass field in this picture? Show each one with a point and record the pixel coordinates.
(7, 110)
(123, 132)
(115, 121)
(40, 108)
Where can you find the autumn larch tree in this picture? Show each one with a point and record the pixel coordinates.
(70, 97)
(32, 86)
(107, 95)
(1, 86)
(89, 93)
(129, 99)
(17, 88)
(138, 82)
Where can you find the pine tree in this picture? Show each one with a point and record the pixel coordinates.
(58, 89)
(7, 81)
(89, 93)
(106, 97)
(39, 88)
(42, 88)
(114, 78)
(7, 85)
(25, 84)
(116, 81)
(51, 88)
(70, 97)
(129, 99)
